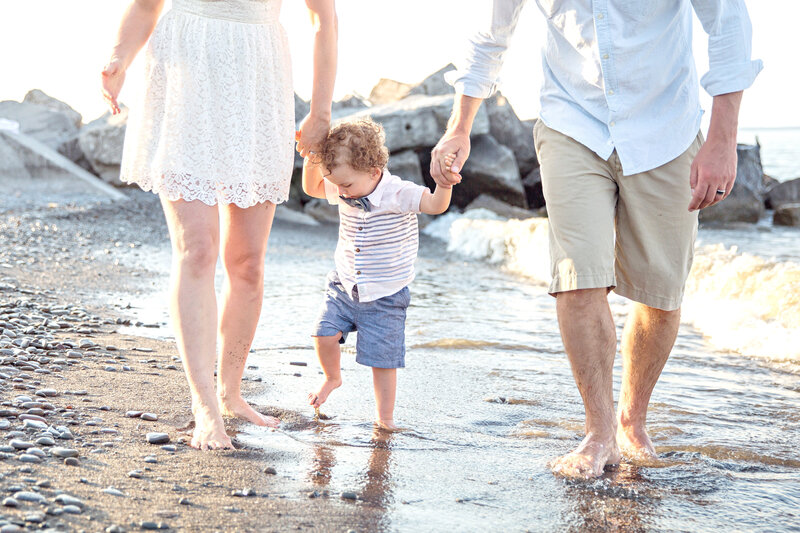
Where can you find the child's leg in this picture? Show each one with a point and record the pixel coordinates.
(384, 380)
(330, 357)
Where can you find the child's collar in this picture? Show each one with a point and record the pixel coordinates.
(377, 193)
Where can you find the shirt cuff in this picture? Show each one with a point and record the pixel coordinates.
(463, 84)
(731, 78)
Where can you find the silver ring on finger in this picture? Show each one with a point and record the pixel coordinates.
(721, 191)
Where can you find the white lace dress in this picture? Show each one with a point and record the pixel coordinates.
(215, 122)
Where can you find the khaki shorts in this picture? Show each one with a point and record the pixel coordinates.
(633, 234)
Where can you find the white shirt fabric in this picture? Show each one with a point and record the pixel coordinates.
(377, 248)
(620, 74)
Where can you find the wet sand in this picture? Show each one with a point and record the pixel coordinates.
(53, 266)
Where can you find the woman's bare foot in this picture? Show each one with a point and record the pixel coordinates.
(635, 444)
(328, 386)
(209, 430)
(237, 407)
(589, 459)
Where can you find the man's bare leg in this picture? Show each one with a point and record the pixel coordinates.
(194, 233)
(647, 341)
(244, 244)
(589, 336)
(384, 381)
(330, 356)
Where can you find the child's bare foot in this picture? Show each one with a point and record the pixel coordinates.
(318, 398)
(239, 408)
(387, 425)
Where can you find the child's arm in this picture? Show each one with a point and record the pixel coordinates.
(437, 202)
(313, 182)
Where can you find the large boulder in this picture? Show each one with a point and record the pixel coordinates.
(491, 169)
(783, 193)
(348, 104)
(387, 91)
(101, 141)
(746, 201)
(417, 121)
(301, 109)
(406, 165)
(38, 97)
(509, 130)
(532, 184)
(12, 164)
(46, 125)
(787, 215)
(484, 201)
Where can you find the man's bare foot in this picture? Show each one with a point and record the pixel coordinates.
(328, 386)
(387, 425)
(209, 430)
(239, 408)
(635, 444)
(589, 459)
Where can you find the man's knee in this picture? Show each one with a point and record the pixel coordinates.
(582, 298)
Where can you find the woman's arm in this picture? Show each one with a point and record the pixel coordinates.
(137, 24)
(313, 182)
(315, 126)
(437, 202)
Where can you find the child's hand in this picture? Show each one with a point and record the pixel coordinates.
(449, 159)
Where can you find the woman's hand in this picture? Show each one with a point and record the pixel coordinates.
(313, 130)
(113, 76)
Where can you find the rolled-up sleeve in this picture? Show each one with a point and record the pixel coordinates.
(479, 70)
(730, 36)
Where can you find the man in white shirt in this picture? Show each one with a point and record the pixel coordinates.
(624, 172)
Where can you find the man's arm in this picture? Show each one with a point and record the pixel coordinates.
(714, 166)
(475, 80)
(731, 70)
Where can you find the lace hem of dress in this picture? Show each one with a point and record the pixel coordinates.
(179, 186)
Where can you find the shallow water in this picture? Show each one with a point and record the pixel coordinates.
(489, 400)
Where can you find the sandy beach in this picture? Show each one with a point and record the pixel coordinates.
(83, 460)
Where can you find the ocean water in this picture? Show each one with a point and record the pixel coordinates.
(489, 398)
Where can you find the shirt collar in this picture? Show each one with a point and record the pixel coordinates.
(375, 196)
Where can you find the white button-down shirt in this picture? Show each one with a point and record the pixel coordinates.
(620, 74)
(377, 248)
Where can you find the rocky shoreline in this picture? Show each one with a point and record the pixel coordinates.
(93, 422)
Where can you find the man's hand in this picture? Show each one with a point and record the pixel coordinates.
(714, 167)
(713, 173)
(313, 131)
(448, 158)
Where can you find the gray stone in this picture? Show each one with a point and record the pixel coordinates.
(21, 444)
(532, 183)
(787, 192)
(12, 166)
(406, 165)
(484, 201)
(349, 104)
(71, 509)
(491, 169)
(150, 417)
(35, 518)
(133, 414)
(66, 499)
(72, 461)
(388, 90)
(435, 84)
(10, 502)
(348, 495)
(136, 474)
(114, 492)
(29, 458)
(34, 424)
(64, 452)
(417, 121)
(301, 109)
(101, 140)
(787, 215)
(47, 392)
(157, 438)
(743, 205)
(40, 98)
(321, 210)
(28, 496)
(506, 127)
(46, 125)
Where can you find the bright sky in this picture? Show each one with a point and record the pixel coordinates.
(59, 46)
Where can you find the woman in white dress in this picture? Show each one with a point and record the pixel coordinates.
(213, 135)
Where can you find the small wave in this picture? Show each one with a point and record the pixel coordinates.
(467, 344)
(741, 302)
(726, 453)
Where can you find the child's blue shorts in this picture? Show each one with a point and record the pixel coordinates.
(381, 324)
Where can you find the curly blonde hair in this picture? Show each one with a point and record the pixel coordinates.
(359, 143)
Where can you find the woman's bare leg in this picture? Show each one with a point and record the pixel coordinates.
(244, 244)
(194, 232)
